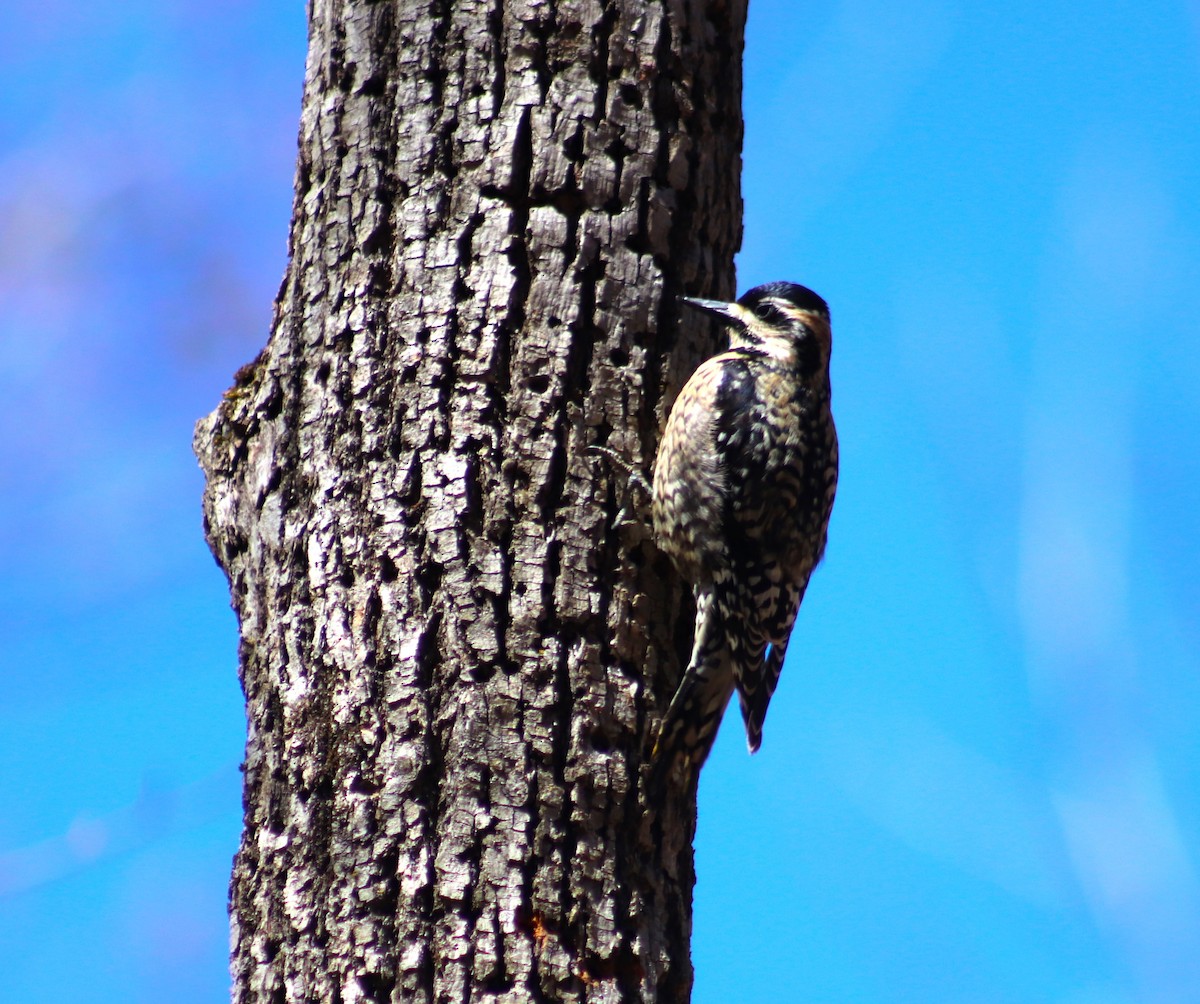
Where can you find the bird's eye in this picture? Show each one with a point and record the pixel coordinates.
(767, 311)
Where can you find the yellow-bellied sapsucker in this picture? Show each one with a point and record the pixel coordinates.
(743, 487)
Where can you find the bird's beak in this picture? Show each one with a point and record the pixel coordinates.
(730, 313)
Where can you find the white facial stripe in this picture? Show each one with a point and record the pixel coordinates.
(743, 314)
(792, 311)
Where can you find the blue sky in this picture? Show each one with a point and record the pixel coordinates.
(979, 779)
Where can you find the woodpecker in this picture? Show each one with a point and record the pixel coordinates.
(743, 487)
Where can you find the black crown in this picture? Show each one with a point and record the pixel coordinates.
(801, 296)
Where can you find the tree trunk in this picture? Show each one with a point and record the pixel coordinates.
(451, 657)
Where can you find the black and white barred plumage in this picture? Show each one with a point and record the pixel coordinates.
(743, 488)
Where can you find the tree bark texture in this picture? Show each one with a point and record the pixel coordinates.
(452, 658)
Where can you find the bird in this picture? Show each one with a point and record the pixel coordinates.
(744, 484)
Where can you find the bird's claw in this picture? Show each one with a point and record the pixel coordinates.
(634, 479)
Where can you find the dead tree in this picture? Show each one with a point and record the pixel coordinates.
(452, 658)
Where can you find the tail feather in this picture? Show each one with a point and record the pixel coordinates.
(690, 725)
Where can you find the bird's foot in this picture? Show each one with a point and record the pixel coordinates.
(635, 482)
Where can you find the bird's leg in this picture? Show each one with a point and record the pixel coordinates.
(634, 480)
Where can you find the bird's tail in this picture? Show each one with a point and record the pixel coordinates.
(690, 725)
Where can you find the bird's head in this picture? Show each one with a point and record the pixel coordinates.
(781, 318)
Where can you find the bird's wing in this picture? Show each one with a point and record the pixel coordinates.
(757, 596)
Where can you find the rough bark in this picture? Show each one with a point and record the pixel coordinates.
(452, 660)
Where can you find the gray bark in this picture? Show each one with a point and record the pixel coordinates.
(451, 658)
